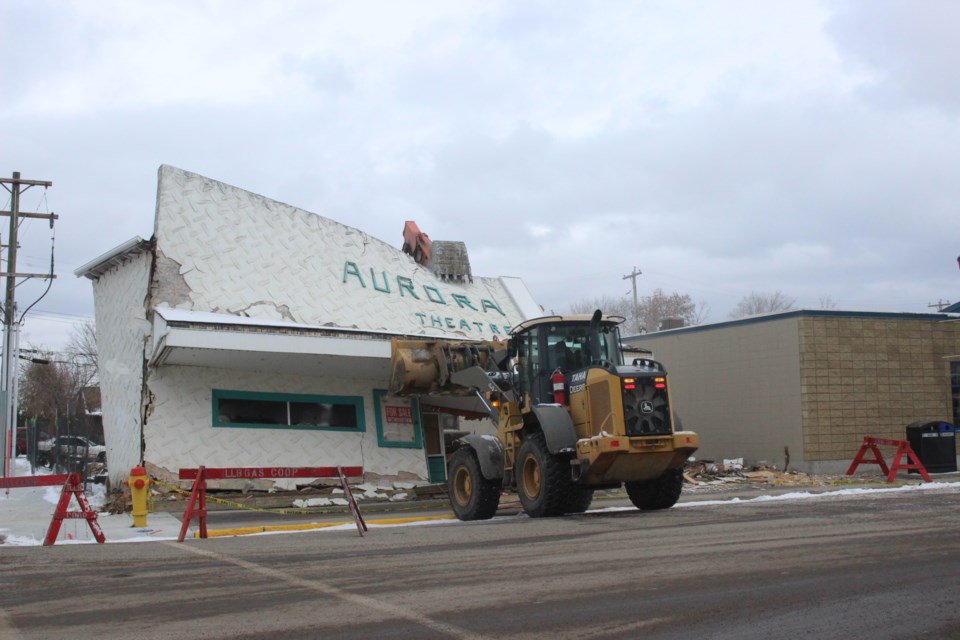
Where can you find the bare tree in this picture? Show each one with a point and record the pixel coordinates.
(702, 313)
(52, 387)
(760, 303)
(607, 304)
(49, 390)
(81, 351)
(659, 306)
(827, 302)
(651, 310)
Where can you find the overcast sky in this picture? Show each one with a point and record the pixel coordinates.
(721, 147)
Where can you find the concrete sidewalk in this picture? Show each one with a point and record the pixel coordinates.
(25, 516)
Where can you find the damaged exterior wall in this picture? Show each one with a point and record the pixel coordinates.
(244, 254)
(221, 249)
(122, 333)
(179, 433)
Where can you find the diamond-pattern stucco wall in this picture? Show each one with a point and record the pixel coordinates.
(225, 250)
(122, 329)
(231, 251)
(181, 434)
(221, 249)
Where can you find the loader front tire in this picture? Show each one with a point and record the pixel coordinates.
(578, 500)
(661, 493)
(543, 479)
(472, 496)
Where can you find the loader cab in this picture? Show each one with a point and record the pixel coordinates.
(567, 343)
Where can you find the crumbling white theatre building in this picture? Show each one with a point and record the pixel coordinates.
(250, 333)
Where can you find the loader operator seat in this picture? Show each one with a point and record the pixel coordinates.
(560, 356)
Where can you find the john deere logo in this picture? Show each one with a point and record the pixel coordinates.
(646, 407)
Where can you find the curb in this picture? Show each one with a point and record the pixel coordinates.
(242, 531)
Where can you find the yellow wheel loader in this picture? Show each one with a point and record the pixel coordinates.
(571, 417)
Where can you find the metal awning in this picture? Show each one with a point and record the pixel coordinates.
(222, 341)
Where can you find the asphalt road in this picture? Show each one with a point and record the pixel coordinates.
(884, 566)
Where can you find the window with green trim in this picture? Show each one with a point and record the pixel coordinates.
(398, 421)
(287, 411)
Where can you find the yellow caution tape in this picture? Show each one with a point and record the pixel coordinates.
(241, 531)
(239, 505)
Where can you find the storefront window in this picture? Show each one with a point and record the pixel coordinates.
(398, 421)
(287, 411)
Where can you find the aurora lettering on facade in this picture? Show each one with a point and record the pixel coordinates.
(406, 288)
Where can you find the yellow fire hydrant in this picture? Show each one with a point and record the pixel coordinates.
(139, 485)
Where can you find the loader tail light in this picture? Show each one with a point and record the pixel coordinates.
(629, 384)
(660, 383)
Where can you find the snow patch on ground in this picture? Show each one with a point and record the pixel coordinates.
(805, 495)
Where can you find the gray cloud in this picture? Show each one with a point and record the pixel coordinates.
(722, 148)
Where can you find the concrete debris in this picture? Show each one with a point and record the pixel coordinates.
(450, 261)
(312, 502)
(731, 470)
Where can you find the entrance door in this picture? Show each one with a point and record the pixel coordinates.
(433, 438)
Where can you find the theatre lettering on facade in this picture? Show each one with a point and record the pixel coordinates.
(249, 333)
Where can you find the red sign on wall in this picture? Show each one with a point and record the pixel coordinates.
(399, 415)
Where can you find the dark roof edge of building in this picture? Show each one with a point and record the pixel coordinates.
(796, 313)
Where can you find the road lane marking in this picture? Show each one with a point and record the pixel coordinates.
(330, 590)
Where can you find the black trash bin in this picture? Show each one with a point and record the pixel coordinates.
(935, 443)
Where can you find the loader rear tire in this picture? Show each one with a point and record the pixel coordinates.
(543, 479)
(472, 496)
(661, 493)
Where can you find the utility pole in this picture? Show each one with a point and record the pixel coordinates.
(940, 304)
(636, 308)
(11, 326)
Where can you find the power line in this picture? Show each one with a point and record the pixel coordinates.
(55, 316)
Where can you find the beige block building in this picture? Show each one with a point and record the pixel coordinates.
(804, 387)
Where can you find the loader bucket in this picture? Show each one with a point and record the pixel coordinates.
(414, 368)
(424, 367)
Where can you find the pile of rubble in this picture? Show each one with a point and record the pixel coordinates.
(709, 473)
(392, 492)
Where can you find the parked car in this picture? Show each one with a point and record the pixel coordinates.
(63, 447)
(22, 435)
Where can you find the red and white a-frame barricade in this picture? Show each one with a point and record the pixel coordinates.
(197, 505)
(72, 487)
(870, 445)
